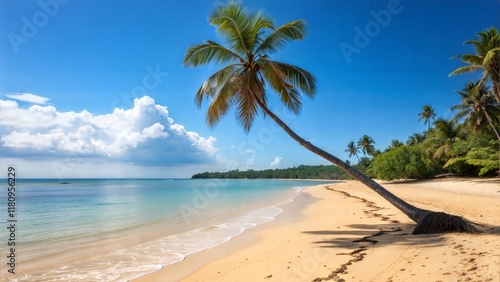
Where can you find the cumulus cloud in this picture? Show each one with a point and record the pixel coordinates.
(28, 97)
(144, 134)
(277, 161)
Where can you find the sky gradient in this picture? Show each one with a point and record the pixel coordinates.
(97, 88)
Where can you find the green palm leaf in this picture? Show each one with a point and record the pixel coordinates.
(486, 58)
(478, 108)
(233, 24)
(214, 83)
(277, 40)
(465, 69)
(277, 80)
(300, 78)
(224, 100)
(252, 88)
(490, 54)
(471, 59)
(260, 22)
(203, 54)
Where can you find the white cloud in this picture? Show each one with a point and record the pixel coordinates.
(144, 135)
(28, 97)
(277, 161)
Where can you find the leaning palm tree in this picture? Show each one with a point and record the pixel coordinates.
(366, 145)
(242, 83)
(427, 114)
(486, 59)
(352, 149)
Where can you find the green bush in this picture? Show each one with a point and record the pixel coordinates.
(477, 162)
(404, 162)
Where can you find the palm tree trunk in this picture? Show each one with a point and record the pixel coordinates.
(425, 219)
(498, 136)
(490, 121)
(496, 90)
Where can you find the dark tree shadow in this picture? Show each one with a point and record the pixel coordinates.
(381, 235)
(376, 235)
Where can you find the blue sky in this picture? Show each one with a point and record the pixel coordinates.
(97, 88)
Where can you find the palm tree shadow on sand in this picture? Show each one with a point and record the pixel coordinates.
(359, 238)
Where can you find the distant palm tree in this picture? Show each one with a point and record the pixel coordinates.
(478, 107)
(395, 144)
(445, 135)
(486, 58)
(415, 139)
(366, 145)
(352, 149)
(427, 114)
(250, 39)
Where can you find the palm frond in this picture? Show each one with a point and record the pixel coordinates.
(214, 83)
(208, 52)
(299, 78)
(224, 99)
(490, 55)
(252, 87)
(278, 82)
(278, 38)
(486, 47)
(477, 107)
(465, 69)
(479, 46)
(472, 59)
(463, 112)
(233, 24)
(260, 23)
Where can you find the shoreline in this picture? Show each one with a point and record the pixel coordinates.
(325, 234)
(192, 263)
(105, 244)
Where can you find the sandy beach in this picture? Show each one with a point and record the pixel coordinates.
(346, 232)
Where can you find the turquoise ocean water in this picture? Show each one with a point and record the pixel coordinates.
(119, 229)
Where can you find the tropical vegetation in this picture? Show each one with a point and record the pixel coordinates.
(300, 172)
(466, 145)
(250, 39)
